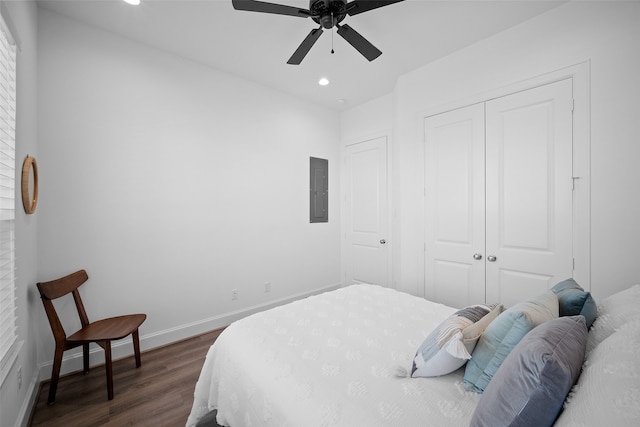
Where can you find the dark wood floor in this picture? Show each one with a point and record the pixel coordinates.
(159, 393)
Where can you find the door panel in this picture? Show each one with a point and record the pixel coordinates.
(516, 285)
(529, 192)
(454, 206)
(455, 282)
(366, 212)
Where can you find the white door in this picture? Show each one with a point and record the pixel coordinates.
(498, 198)
(367, 253)
(454, 206)
(529, 192)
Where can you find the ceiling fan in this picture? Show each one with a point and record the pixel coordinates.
(327, 13)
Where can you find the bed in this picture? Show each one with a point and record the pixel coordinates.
(345, 357)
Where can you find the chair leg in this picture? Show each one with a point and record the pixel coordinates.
(55, 375)
(85, 357)
(136, 347)
(109, 368)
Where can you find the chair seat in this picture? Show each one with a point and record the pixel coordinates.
(101, 332)
(113, 328)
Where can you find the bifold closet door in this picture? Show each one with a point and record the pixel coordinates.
(498, 197)
(529, 192)
(455, 207)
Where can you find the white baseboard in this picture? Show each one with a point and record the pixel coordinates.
(29, 402)
(124, 348)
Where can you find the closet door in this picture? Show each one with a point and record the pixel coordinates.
(528, 192)
(455, 206)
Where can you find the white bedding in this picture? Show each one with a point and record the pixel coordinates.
(331, 360)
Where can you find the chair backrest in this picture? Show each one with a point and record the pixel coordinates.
(58, 288)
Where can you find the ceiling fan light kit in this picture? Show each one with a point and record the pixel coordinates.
(326, 13)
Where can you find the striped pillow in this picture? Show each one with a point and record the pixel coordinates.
(449, 346)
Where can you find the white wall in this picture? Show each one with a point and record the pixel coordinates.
(604, 34)
(172, 183)
(370, 119)
(15, 401)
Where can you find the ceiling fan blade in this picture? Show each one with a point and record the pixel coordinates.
(264, 7)
(358, 6)
(305, 47)
(361, 44)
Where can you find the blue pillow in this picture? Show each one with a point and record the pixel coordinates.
(573, 301)
(532, 384)
(503, 334)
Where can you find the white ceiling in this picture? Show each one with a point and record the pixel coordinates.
(256, 46)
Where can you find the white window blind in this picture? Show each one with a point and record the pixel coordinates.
(8, 335)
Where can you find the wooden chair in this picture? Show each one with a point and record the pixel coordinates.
(101, 332)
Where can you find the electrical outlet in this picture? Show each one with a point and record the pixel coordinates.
(234, 294)
(19, 377)
(267, 287)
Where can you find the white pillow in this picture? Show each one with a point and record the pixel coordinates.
(449, 346)
(608, 390)
(613, 312)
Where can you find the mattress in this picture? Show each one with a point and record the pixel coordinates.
(337, 359)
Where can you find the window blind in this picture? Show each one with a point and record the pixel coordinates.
(8, 336)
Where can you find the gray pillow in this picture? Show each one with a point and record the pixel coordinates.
(530, 387)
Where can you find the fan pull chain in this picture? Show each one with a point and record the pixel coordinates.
(333, 31)
(332, 51)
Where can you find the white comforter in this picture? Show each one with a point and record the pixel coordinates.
(331, 360)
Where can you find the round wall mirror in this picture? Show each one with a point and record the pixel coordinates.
(30, 184)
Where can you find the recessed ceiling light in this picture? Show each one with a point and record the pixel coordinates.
(133, 2)
(323, 81)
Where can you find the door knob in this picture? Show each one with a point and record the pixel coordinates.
(477, 257)
(382, 241)
(492, 258)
